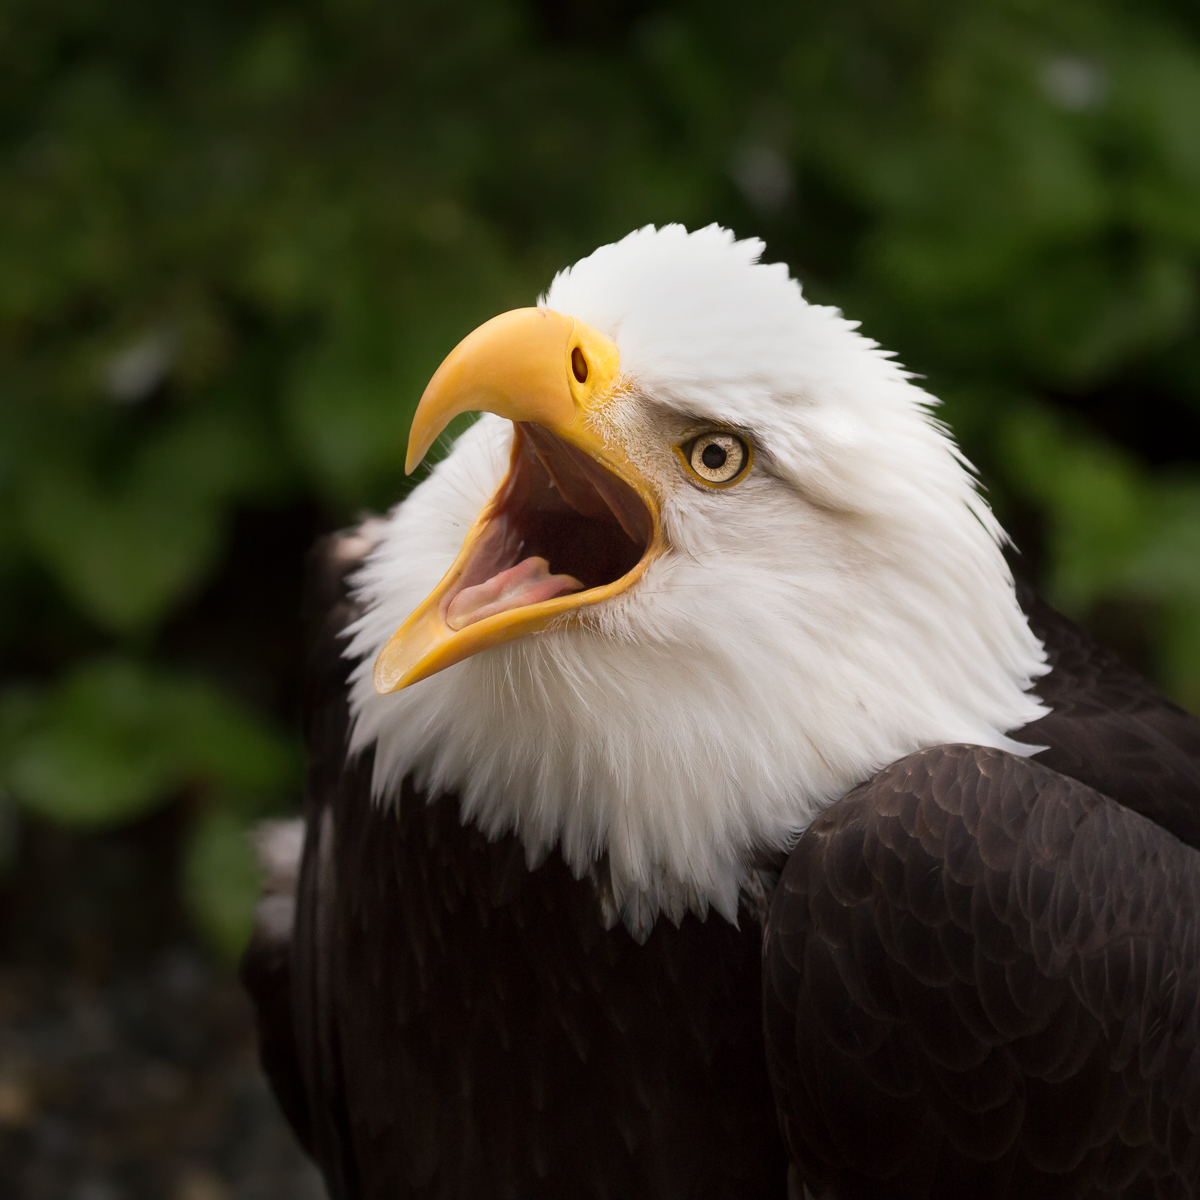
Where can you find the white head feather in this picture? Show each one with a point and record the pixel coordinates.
(845, 605)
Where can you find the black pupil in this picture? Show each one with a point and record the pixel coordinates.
(713, 456)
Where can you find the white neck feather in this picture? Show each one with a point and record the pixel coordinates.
(853, 606)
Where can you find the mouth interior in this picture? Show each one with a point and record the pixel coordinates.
(562, 524)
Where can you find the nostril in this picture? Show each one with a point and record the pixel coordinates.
(579, 365)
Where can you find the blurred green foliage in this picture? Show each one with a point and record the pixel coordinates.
(236, 239)
(112, 738)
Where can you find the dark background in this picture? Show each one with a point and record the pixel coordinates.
(235, 241)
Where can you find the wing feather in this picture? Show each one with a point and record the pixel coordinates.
(1112, 729)
(982, 977)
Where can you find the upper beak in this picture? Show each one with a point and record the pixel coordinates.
(572, 501)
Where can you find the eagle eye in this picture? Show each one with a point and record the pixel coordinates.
(716, 458)
(579, 365)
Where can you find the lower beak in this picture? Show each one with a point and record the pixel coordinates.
(572, 523)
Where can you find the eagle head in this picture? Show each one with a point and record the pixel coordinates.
(706, 562)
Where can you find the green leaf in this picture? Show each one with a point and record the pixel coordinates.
(350, 417)
(128, 549)
(1165, 567)
(114, 739)
(1179, 653)
(1098, 509)
(124, 557)
(221, 879)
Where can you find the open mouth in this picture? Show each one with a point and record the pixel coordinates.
(574, 522)
(561, 524)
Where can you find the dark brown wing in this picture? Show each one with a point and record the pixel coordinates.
(982, 979)
(1112, 729)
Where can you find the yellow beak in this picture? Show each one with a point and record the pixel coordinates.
(571, 502)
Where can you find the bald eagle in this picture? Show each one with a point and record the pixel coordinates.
(696, 808)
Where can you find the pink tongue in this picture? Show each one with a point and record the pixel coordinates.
(529, 582)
